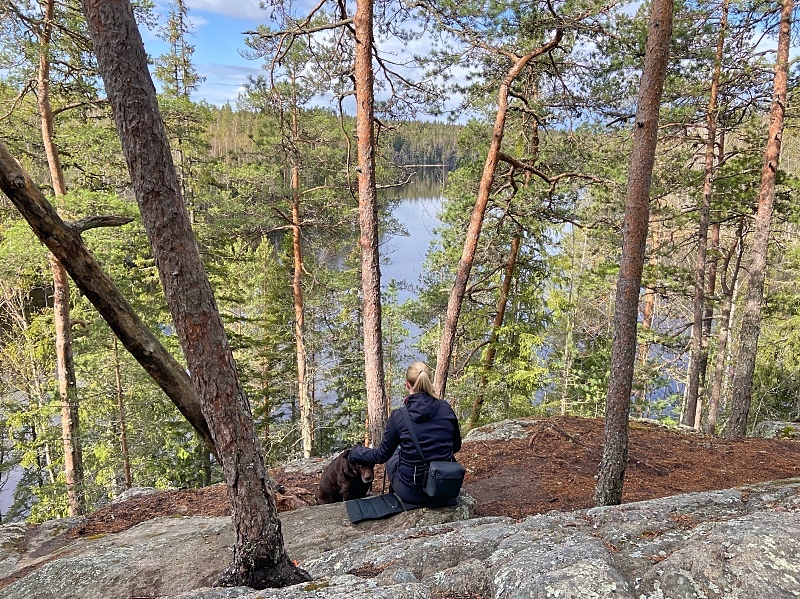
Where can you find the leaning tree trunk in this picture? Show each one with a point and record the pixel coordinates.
(65, 242)
(751, 318)
(698, 356)
(491, 350)
(611, 473)
(459, 288)
(65, 364)
(259, 558)
(368, 221)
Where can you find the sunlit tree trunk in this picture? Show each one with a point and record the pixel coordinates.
(611, 474)
(306, 421)
(368, 221)
(751, 318)
(65, 366)
(67, 390)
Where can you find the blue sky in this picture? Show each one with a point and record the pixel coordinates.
(218, 27)
(218, 37)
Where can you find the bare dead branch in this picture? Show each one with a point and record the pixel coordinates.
(18, 100)
(73, 105)
(546, 178)
(95, 222)
(300, 30)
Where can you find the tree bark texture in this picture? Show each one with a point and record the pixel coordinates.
(611, 473)
(751, 317)
(467, 259)
(67, 391)
(260, 559)
(66, 244)
(368, 222)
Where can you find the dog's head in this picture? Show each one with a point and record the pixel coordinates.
(366, 472)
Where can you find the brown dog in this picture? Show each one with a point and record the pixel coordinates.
(342, 480)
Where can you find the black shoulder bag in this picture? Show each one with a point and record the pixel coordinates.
(443, 479)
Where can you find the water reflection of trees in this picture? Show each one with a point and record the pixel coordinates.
(424, 182)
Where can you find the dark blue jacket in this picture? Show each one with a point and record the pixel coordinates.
(437, 431)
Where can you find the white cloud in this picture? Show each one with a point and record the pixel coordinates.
(224, 82)
(197, 21)
(235, 9)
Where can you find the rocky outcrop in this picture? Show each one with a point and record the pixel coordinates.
(771, 429)
(733, 544)
(167, 556)
(501, 431)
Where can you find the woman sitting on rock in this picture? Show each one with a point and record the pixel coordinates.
(436, 427)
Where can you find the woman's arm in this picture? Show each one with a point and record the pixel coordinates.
(379, 455)
(456, 437)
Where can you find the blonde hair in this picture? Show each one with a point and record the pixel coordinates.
(420, 378)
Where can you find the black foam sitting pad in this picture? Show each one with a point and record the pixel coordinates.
(374, 508)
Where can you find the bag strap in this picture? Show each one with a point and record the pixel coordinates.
(413, 434)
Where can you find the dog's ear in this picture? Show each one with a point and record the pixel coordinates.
(346, 454)
(351, 469)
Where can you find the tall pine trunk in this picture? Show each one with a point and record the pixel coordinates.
(728, 285)
(306, 421)
(699, 354)
(65, 364)
(611, 475)
(751, 318)
(67, 391)
(368, 222)
(259, 559)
